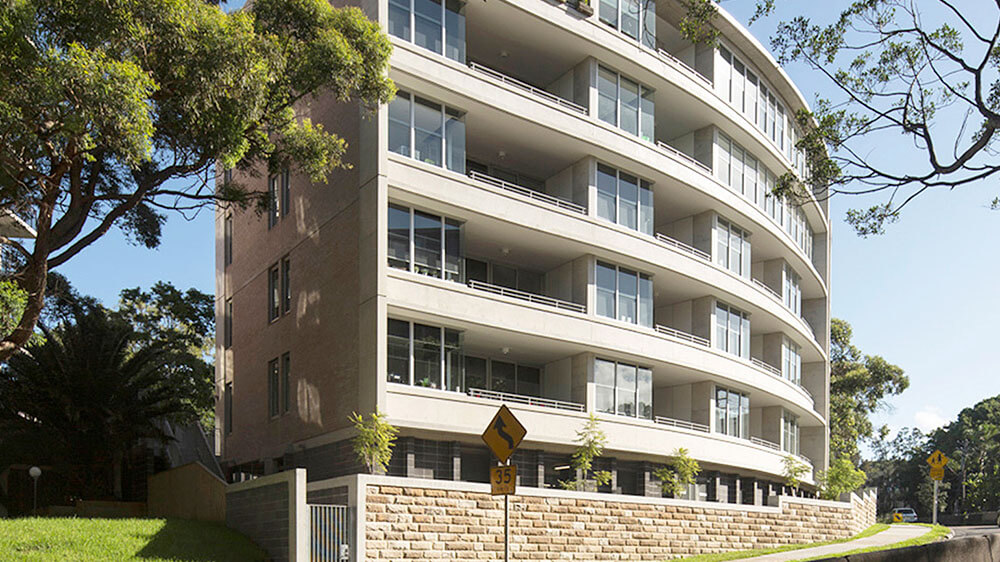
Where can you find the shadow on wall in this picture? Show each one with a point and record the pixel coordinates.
(198, 541)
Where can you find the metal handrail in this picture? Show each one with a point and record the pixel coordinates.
(683, 65)
(526, 296)
(528, 87)
(691, 338)
(682, 246)
(683, 424)
(766, 367)
(767, 289)
(764, 443)
(529, 193)
(690, 160)
(523, 399)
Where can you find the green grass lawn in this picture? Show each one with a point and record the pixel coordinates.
(148, 540)
(740, 554)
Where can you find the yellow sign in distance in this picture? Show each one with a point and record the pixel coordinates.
(937, 472)
(897, 517)
(504, 434)
(937, 458)
(503, 480)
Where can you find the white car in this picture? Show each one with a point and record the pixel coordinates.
(907, 514)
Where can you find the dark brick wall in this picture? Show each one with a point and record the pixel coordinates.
(327, 461)
(262, 514)
(328, 496)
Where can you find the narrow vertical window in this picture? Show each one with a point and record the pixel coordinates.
(732, 413)
(399, 237)
(791, 361)
(273, 388)
(607, 96)
(732, 333)
(227, 405)
(286, 193)
(273, 293)
(732, 247)
(227, 240)
(426, 356)
(399, 124)
(227, 324)
(428, 132)
(286, 285)
(607, 287)
(604, 386)
(274, 208)
(625, 387)
(398, 352)
(286, 383)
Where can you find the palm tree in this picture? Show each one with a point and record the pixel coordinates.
(86, 395)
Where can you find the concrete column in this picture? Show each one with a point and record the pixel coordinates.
(540, 468)
(456, 460)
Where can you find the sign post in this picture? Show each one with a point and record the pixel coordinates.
(502, 436)
(937, 460)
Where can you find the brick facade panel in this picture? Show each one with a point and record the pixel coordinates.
(262, 514)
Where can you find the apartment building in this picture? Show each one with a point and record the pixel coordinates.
(565, 209)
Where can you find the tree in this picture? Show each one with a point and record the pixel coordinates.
(682, 470)
(859, 385)
(85, 396)
(842, 477)
(114, 112)
(793, 470)
(591, 439)
(374, 442)
(893, 74)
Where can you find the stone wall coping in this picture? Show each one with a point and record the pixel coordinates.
(364, 480)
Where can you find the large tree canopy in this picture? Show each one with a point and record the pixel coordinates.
(102, 102)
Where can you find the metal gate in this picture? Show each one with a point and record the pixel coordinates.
(330, 533)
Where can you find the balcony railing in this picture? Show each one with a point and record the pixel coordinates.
(689, 160)
(682, 246)
(522, 399)
(771, 292)
(528, 88)
(765, 443)
(767, 367)
(683, 424)
(684, 336)
(683, 66)
(529, 193)
(530, 297)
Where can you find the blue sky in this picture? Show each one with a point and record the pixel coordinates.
(924, 295)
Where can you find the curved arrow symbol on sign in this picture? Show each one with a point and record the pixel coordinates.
(499, 426)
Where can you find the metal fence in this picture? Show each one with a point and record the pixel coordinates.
(330, 533)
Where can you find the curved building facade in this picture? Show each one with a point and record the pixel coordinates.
(566, 209)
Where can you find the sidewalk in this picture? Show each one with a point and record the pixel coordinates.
(894, 534)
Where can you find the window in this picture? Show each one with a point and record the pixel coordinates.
(624, 199)
(227, 240)
(427, 131)
(502, 376)
(623, 389)
(286, 193)
(286, 285)
(732, 247)
(273, 388)
(625, 104)
(789, 433)
(422, 355)
(227, 325)
(273, 293)
(505, 276)
(635, 18)
(624, 295)
(737, 169)
(286, 383)
(732, 330)
(424, 243)
(792, 291)
(434, 25)
(732, 413)
(279, 195)
(227, 405)
(791, 361)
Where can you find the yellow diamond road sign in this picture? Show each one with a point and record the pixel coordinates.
(937, 472)
(504, 434)
(937, 459)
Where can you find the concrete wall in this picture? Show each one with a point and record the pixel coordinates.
(428, 520)
(190, 491)
(272, 511)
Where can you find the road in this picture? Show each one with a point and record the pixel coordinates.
(975, 530)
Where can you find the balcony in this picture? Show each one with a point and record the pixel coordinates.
(504, 79)
(526, 296)
(526, 400)
(526, 192)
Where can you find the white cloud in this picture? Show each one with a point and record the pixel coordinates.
(929, 418)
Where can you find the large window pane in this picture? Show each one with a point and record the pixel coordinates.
(427, 24)
(398, 352)
(504, 276)
(628, 199)
(647, 115)
(721, 410)
(649, 24)
(629, 106)
(645, 208)
(604, 377)
(607, 193)
(606, 290)
(626, 389)
(630, 18)
(426, 244)
(476, 270)
(454, 23)
(399, 19)
(609, 12)
(399, 124)
(721, 327)
(426, 356)
(745, 417)
(529, 381)
(628, 293)
(427, 134)
(734, 415)
(452, 250)
(607, 96)
(644, 393)
(399, 237)
(475, 373)
(455, 131)
(645, 301)
(503, 376)
(452, 360)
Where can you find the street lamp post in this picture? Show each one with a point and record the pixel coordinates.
(35, 472)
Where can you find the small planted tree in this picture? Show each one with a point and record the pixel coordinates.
(374, 442)
(591, 439)
(840, 478)
(794, 471)
(681, 471)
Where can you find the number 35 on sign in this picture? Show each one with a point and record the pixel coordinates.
(503, 480)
